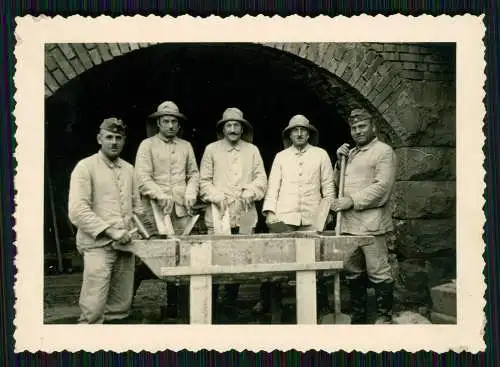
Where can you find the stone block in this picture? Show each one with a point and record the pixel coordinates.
(444, 299)
(426, 163)
(410, 283)
(421, 237)
(424, 199)
(441, 269)
(439, 318)
(439, 130)
(409, 318)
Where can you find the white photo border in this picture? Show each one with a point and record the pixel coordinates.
(32, 33)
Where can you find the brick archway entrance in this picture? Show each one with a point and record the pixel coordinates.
(87, 82)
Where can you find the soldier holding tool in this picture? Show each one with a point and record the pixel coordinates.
(167, 174)
(232, 177)
(301, 176)
(102, 201)
(369, 180)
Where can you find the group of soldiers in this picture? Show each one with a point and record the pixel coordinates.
(105, 192)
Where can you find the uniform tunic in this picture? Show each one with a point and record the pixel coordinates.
(297, 183)
(169, 167)
(226, 170)
(369, 180)
(102, 195)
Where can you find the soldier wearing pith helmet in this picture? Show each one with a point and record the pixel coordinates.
(166, 172)
(232, 176)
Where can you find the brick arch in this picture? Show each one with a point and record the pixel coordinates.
(369, 79)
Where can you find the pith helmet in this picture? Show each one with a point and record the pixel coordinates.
(167, 108)
(302, 121)
(235, 114)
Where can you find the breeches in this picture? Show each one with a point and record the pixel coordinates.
(107, 287)
(372, 259)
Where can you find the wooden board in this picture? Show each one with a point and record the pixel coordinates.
(241, 249)
(200, 287)
(306, 283)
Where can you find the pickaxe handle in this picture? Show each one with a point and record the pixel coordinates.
(343, 163)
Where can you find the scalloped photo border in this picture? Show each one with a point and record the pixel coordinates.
(31, 334)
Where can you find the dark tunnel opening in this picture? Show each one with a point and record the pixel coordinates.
(269, 86)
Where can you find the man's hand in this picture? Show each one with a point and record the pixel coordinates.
(344, 203)
(120, 236)
(271, 217)
(189, 202)
(165, 202)
(247, 198)
(343, 151)
(220, 201)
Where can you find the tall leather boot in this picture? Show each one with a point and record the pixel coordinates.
(384, 297)
(357, 289)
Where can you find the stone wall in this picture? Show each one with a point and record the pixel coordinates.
(425, 193)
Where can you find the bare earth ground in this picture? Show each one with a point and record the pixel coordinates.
(61, 294)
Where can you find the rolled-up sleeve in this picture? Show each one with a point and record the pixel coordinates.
(79, 203)
(273, 186)
(144, 169)
(378, 192)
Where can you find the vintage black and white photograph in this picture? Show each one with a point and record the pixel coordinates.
(251, 183)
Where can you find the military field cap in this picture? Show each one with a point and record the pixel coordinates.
(235, 114)
(359, 114)
(300, 121)
(167, 108)
(113, 125)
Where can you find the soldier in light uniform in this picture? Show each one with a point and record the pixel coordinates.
(369, 181)
(166, 171)
(102, 200)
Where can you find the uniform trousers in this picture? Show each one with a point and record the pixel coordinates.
(107, 287)
(372, 260)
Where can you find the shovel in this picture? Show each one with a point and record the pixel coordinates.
(246, 221)
(338, 317)
(222, 225)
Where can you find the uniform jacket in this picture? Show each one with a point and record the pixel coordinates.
(297, 183)
(369, 181)
(225, 171)
(167, 167)
(101, 194)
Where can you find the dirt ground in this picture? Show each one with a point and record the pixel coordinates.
(61, 294)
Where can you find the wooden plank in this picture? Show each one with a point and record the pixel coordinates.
(241, 249)
(306, 283)
(200, 301)
(250, 268)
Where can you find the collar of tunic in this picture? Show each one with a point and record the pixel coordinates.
(110, 164)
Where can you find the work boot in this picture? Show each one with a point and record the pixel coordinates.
(357, 289)
(384, 298)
